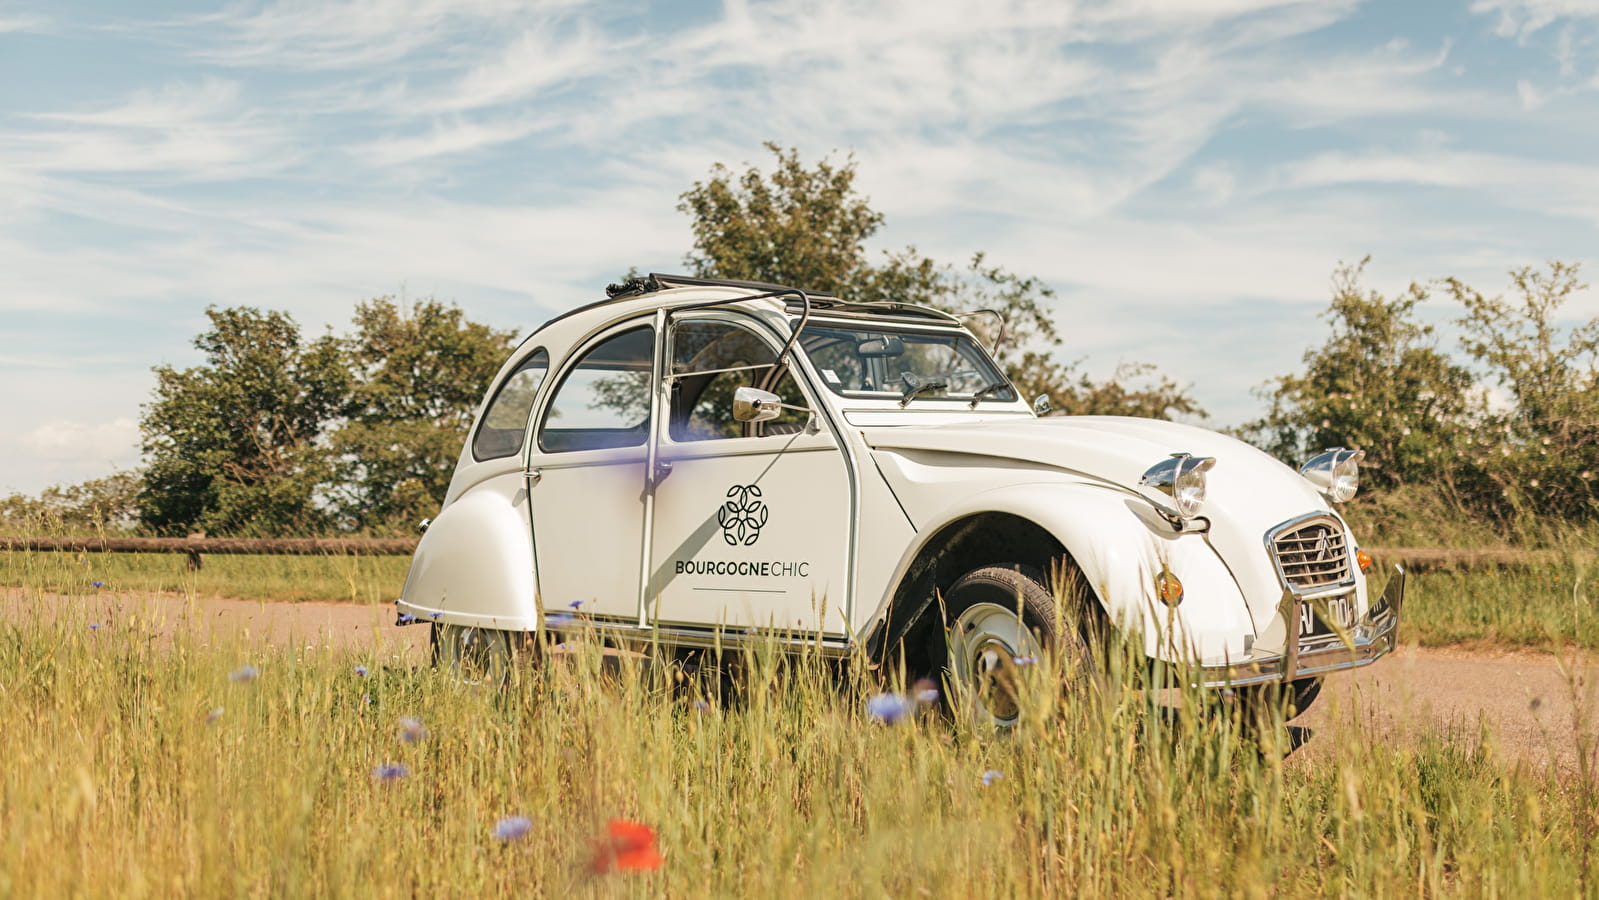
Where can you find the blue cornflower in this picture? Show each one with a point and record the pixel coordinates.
(215, 714)
(558, 620)
(575, 604)
(411, 729)
(94, 626)
(512, 827)
(434, 615)
(244, 673)
(98, 584)
(889, 708)
(390, 772)
(991, 776)
(925, 690)
(360, 671)
(406, 618)
(701, 706)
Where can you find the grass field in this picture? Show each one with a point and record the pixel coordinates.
(1518, 607)
(141, 769)
(140, 766)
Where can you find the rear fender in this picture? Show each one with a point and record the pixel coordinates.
(474, 564)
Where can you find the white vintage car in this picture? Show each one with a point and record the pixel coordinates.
(702, 463)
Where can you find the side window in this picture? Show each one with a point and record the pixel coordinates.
(500, 433)
(604, 400)
(712, 359)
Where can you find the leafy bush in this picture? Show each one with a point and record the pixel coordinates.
(1508, 429)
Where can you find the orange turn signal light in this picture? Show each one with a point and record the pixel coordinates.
(1168, 588)
(1363, 559)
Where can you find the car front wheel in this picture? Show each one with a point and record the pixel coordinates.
(1001, 620)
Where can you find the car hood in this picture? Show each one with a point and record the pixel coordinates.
(1246, 482)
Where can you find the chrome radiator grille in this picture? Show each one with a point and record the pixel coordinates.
(1311, 554)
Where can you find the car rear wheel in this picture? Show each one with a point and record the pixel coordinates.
(473, 655)
(1001, 620)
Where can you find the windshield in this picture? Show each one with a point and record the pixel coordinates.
(882, 363)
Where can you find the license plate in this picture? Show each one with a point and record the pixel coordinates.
(1314, 629)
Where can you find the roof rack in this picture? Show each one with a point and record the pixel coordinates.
(655, 281)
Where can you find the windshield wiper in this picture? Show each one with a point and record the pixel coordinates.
(989, 389)
(915, 386)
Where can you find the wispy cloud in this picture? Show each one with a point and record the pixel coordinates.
(1523, 18)
(311, 34)
(195, 130)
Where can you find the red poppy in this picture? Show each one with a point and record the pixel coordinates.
(627, 847)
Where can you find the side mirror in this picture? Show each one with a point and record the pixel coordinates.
(755, 405)
(1042, 406)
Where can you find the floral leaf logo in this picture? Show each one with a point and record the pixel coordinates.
(742, 515)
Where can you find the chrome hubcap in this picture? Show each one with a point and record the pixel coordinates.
(986, 643)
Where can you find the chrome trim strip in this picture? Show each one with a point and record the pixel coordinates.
(710, 638)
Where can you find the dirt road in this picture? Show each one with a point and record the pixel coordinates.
(1524, 698)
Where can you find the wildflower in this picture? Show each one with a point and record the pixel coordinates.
(1024, 660)
(94, 626)
(360, 671)
(626, 847)
(575, 604)
(406, 618)
(434, 615)
(511, 828)
(701, 706)
(411, 730)
(98, 584)
(244, 673)
(991, 776)
(889, 708)
(558, 620)
(926, 691)
(212, 716)
(390, 772)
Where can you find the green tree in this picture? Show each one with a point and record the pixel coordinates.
(233, 445)
(420, 372)
(808, 227)
(1379, 383)
(1539, 449)
(109, 502)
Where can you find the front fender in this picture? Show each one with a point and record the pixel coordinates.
(474, 564)
(1120, 545)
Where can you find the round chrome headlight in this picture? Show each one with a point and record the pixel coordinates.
(1335, 473)
(1181, 477)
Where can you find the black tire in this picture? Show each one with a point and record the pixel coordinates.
(474, 655)
(1000, 618)
(1292, 698)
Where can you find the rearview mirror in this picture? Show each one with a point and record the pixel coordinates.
(755, 405)
(879, 348)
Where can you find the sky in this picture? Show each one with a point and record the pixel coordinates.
(1185, 174)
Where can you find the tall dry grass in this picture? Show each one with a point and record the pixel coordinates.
(123, 778)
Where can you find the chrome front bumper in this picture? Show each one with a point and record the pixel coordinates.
(1373, 637)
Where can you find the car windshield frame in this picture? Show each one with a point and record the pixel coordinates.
(866, 360)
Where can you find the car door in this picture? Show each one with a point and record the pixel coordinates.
(586, 477)
(751, 521)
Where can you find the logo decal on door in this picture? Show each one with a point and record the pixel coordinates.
(742, 515)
